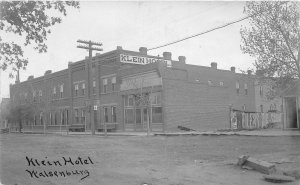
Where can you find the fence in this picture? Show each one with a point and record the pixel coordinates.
(254, 120)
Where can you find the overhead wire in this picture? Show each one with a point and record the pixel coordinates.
(210, 30)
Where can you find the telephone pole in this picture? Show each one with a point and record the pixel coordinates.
(90, 46)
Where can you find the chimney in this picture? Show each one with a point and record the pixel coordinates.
(30, 77)
(214, 65)
(167, 55)
(48, 72)
(119, 48)
(97, 54)
(232, 69)
(181, 59)
(18, 77)
(249, 72)
(143, 50)
(87, 57)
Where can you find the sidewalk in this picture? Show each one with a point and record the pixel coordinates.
(263, 133)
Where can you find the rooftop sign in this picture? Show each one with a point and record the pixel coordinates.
(142, 60)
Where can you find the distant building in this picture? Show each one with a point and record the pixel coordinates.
(105, 88)
(291, 107)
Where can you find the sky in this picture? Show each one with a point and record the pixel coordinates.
(142, 24)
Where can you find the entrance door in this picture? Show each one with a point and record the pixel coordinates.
(291, 112)
(145, 118)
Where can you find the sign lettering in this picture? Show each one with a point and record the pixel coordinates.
(142, 60)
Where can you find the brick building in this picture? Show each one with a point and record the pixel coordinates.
(107, 87)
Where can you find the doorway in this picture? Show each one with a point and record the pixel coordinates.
(141, 119)
(291, 112)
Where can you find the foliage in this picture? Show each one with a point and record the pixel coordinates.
(273, 38)
(32, 20)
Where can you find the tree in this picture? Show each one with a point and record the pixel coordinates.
(273, 38)
(31, 19)
(20, 113)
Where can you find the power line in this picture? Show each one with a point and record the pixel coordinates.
(210, 30)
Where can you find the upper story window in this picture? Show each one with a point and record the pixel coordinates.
(76, 89)
(246, 89)
(221, 83)
(155, 98)
(261, 90)
(237, 86)
(40, 95)
(94, 87)
(83, 89)
(104, 85)
(34, 95)
(113, 83)
(129, 100)
(61, 90)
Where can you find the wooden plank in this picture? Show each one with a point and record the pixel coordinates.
(261, 166)
(278, 178)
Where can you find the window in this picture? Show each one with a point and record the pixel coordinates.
(54, 90)
(129, 100)
(50, 116)
(62, 118)
(76, 115)
(156, 114)
(209, 82)
(244, 107)
(104, 85)
(246, 89)
(83, 89)
(34, 96)
(113, 83)
(61, 89)
(76, 89)
(261, 91)
(261, 108)
(26, 96)
(41, 119)
(105, 114)
(113, 114)
(129, 117)
(221, 83)
(55, 118)
(83, 117)
(94, 87)
(155, 98)
(237, 86)
(40, 95)
(34, 119)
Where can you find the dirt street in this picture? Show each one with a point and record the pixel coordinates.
(136, 160)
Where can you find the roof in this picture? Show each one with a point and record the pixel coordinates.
(292, 91)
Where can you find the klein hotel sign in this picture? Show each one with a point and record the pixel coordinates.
(142, 60)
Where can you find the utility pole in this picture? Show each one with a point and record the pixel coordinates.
(90, 46)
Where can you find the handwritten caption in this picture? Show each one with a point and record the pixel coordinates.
(58, 166)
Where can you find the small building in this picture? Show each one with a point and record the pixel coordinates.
(291, 107)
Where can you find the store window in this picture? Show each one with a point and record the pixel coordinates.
(156, 114)
(129, 117)
(83, 116)
(105, 114)
(113, 114)
(77, 116)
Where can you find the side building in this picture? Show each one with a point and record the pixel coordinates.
(124, 90)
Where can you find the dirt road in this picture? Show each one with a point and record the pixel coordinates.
(116, 160)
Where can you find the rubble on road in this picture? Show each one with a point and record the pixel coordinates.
(255, 164)
(278, 178)
(273, 174)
